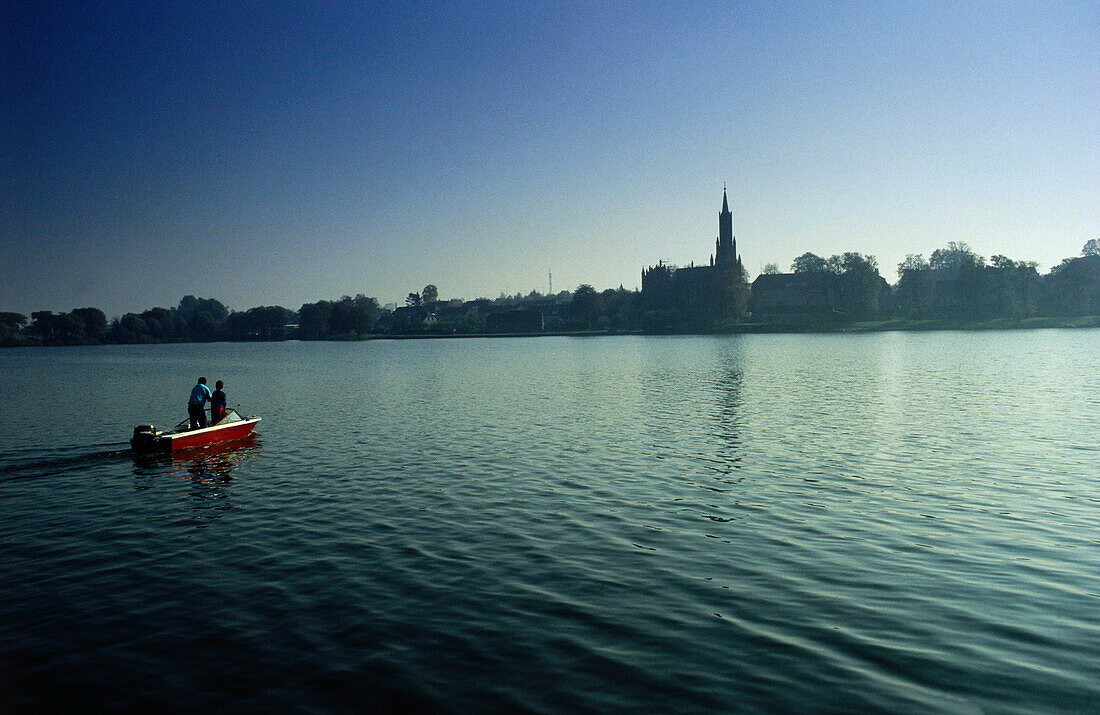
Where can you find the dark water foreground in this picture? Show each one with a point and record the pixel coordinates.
(903, 522)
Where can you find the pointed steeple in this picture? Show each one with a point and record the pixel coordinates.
(725, 253)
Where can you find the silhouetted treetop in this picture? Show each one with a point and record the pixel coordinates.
(809, 263)
(956, 255)
(12, 320)
(190, 306)
(586, 307)
(262, 323)
(93, 322)
(912, 262)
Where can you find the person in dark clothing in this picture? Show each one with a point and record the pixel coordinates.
(200, 394)
(217, 403)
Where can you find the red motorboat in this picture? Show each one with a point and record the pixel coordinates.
(147, 438)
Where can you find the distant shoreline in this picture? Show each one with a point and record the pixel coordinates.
(880, 326)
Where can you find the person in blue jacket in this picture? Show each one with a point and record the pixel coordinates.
(200, 395)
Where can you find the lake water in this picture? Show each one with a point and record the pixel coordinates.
(810, 522)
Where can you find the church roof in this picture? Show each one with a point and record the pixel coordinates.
(778, 281)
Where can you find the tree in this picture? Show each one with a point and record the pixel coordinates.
(472, 321)
(851, 261)
(860, 283)
(956, 255)
(190, 306)
(622, 308)
(957, 283)
(367, 310)
(1010, 289)
(213, 315)
(262, 323)
(912, 262)
(586, 307)
(130, 328)
(203, 326)
(41, 325)
(314, 320)
(430, 294)
(729, 301)
(93, 321)
(59, 329)
(353, 315)
(770, 269)
(915, 294)
(413, 300)
(1073, 288)
(1091, 247)
(1066, 262)
(162, 324)
(11, 325)
(809, 263)
(400, 323)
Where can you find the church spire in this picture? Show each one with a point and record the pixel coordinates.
(726, 248)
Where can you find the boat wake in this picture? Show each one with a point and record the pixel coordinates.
(36, 467)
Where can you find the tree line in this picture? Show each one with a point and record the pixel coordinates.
(953, 283)
(193, 320)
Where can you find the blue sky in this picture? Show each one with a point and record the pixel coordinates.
(264, 153)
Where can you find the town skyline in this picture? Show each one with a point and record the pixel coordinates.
(281, 155)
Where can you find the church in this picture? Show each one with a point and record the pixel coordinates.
(715, 288)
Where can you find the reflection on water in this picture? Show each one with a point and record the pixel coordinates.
(209, 470)
(728, 385)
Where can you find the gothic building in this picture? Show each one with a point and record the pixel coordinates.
(714, 287)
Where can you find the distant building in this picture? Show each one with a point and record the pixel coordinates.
(817, 296)
(482, 304)
(410, 316)
(794, 297)
(693, 288)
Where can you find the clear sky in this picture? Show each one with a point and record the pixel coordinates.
(265, 153)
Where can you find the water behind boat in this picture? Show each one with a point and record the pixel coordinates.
(882, 522)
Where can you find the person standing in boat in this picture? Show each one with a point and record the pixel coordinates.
(200, 394)
(217, 403)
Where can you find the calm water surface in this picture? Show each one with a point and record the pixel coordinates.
(884, 522)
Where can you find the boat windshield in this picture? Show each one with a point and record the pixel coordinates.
(231, 415)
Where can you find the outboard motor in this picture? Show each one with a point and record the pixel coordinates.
(144, 439)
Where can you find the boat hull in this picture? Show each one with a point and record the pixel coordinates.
(148, 440)
(209, 435)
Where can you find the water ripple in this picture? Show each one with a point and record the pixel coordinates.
(888, 522)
